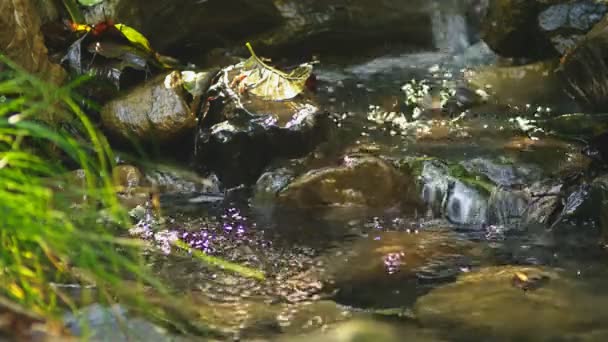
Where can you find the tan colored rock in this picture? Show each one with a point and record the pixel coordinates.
(360, 181)
(156, 111)
(493, 303)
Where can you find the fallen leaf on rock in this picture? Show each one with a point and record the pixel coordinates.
(268, 83)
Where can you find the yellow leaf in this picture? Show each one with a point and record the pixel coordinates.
(26, 272)
(16, 291)
(522, 276)
(271, 84)
(135, 37)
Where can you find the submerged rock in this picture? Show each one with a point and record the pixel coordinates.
(508, 303)
(532, 84)
(360, 180)
(367, 330)
(383, 269)
(156, 111)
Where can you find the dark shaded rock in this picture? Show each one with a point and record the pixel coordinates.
(584, 70)
(241, 134)
(510, 29)
(538, 29)
(156, 111)
(272, 26)
(359, 180)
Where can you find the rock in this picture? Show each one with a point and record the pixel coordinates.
(536, 84)
(249, 318)
(383, 269)
(295, 27)
(21, 40)
(271, 183)
(503, 173)
(565, 24)
(454, 193)
(127, 177)
(113, 324)
(493, 303)
(367, 330)
(510, 29)
(174, 179)
(584, 72)
(156, 111)
(238, 127)
(319, 25)
(360, 181)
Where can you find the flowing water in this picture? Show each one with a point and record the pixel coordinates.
(343, 274)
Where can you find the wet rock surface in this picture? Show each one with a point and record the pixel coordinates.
(502, 302)
(393, 264)
(240, 135)
(292, 26)
(360, 180)
(156, 111)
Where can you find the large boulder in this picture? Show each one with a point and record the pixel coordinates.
(192, 27)
(157, 111)
(241, 133)
(508, 303)
(537, 29)
(359, 180)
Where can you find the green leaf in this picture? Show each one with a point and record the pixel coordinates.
(220, 263)
(271, 84)
(89, 2)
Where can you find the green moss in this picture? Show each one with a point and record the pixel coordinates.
(477, 181)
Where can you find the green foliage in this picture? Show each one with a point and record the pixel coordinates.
(89, 2)
(53, 230)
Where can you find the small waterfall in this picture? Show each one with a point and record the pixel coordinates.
(450, 26)
(465, 205)
(449, 197)
(507, 206)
